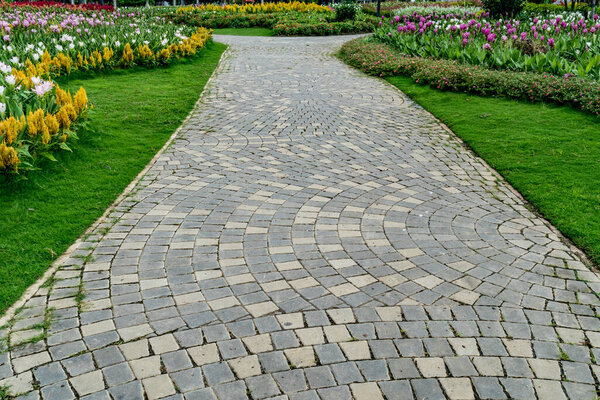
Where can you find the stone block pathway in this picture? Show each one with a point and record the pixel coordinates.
(312, 234)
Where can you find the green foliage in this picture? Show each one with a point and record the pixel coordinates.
(346, 10)
(502, 8)
(282, 24)
(382, 60)
(136, 112)
(543, 8)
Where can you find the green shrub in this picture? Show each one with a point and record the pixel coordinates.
(501, 8)
(375, 58)
(553, 8)
(346, 10)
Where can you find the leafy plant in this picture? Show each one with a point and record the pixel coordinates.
(346, 10)
(503, 8)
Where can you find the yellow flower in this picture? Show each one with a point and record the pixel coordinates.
(81, 100)
(52, 124)
(62, 97)
(8, 128)
(107, 54)
(9, 159)
(35, 120)
(127, 57)
(63, 118)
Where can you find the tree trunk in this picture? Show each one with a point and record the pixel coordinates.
(115, 3)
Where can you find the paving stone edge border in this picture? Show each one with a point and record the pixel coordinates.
(31, 290)
(568, 242)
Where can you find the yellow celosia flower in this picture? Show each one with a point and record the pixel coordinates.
(10, 128)
(52, 124)
(107, 54)
(81, 100)
(9, 159)
(62, 97)
(127, 57)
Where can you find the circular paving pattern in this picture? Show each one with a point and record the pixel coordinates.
(311, 233)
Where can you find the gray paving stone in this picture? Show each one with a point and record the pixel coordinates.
(488, 388)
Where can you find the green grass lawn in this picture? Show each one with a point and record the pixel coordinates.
(550, 154)
(135, 113)
(244, 31)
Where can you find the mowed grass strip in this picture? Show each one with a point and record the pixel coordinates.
(135, 112)
(549, 153)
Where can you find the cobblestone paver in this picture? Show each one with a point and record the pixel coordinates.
(312, 234)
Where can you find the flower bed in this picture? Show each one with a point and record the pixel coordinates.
(379, 59)
(556, 44)
(286, 19)
(41, 43)
(391, 8)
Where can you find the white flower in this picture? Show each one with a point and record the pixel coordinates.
(59, 47)
(5, 68)
(11, 80)
(2, 108)
(117, 43)
(14, 60)
(2, 88)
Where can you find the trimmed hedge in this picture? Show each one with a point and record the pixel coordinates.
(553, 8)
(294, 28)
(379, 59)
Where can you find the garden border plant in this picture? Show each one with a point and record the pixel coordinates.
(383, 60)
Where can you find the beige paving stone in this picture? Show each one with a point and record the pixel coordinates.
(545, 369)
(260, 309)
(90, 382)
(366, 391)
(488, 366)
(389, 313)
(135, 350)
(245, 367)
(432, 367)
(310, 336)
(206, 354)
(337, 333)
(153, 283)
(304, 283)
(158, 387)
(465, 297)
(226, 302)
(342, 315)
(518, 348)
(163, 344)
(145, 367)
(548, 390)
(188, 298)
(291, 321)
(356, 350)
(458, 388)
(343, 289)
(135, 332)
(464, 346)
(21, 383)
(25, 363)
(259, 343)
(429, 281)
(98, 327)
(301, 357)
